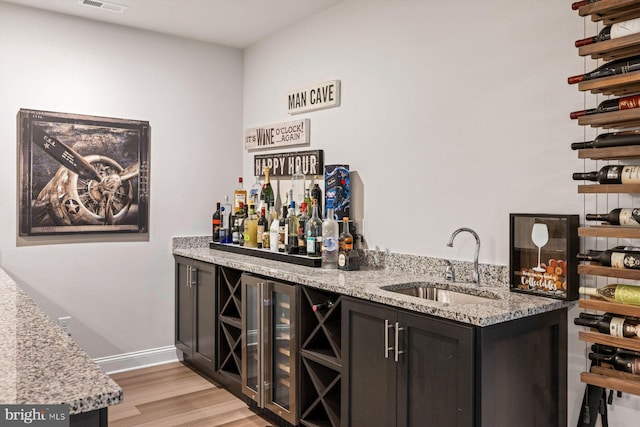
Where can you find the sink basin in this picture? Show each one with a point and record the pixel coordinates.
(429, 292)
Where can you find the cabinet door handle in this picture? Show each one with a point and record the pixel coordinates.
(188, 276)
(194, 277)
(397, 349)
(387, 326)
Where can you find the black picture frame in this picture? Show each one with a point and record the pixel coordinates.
(82, 174)
(550, 267)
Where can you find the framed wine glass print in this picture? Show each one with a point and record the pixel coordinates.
(82, 174)
(542, 255)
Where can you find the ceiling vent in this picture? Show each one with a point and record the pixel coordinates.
(111, 7)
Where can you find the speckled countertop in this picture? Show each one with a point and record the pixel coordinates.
(40, 364)
(393, 270)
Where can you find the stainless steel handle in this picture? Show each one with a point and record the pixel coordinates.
(387, 326)
(397, 349)
(188, 276)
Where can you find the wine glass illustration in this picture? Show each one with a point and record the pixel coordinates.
(540, 237)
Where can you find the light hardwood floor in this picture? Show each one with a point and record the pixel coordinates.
(174, 395)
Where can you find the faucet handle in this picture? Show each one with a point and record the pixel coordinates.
(449, 273)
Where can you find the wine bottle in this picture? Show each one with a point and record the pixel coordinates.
(578, 4)
(303, 218)
(609, 350)
(619, 216)
(227, 221)
(329, 239)
(612, 139)
(620, 362)
(612, 174)
(316, 193)
(323, 305)
(623, 294)
(239, 196)
(262, 227)
(282, 226)
(614, 31)
(267, 191)
(615, 104)
(611, 325)
(313, 232)
(291, 231)
(619, 66)
(612, 258)
(251, 228)
(215, 223)
(274, 232)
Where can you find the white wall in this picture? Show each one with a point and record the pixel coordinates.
(119, 292)
(454, 113)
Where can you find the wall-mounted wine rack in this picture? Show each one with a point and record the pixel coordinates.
(609, 12)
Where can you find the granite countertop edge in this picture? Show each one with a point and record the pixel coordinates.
(367, 284)
(41, 364)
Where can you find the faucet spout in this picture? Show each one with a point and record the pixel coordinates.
(476, 274)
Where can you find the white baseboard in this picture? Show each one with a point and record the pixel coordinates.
(138, 359)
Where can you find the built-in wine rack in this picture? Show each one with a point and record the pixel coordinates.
(609, 12)
(230, 323)
(321, 361)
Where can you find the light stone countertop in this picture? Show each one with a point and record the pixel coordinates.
(41, 364)
(367, 284)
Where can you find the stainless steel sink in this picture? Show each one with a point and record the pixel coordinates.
(429, 292)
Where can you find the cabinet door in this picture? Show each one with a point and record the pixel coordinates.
(369, 369)
(204, 289)
(435, 372)
(184, 307)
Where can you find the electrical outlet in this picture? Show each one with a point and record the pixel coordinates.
(65, 324)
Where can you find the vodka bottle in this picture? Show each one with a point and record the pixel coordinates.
(225, 228)
(329, 239)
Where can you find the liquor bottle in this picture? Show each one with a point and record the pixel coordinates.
(329, 239)
(326, 305)
(307, 199)
(297, 187)
(291, 231)
(615, 104)
(282, 226)
(254, 193)
(619, 216)
(239, 196)
(611, 139)
(614, 31)
(262, 227)
(303, 218)
(619, 66)
(274, 232)
(313, 232)
(267, 191)
(215, 223)
(611, 325)
(251, 228)
(316, 193)
(613, 258)
(240, 216)
(578, 4)
(620, 362)
(612, 174)
(623, 294)
(345, 241)
(227, 221)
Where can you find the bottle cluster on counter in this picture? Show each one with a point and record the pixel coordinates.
(299, 229)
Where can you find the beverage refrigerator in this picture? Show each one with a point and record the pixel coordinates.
(269, 345)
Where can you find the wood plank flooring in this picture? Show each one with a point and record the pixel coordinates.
(174, 395)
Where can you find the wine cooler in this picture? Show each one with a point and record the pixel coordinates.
(269, 344)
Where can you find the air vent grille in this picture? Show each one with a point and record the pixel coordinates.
(111, 7)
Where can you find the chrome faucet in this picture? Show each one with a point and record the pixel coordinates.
(476, 274)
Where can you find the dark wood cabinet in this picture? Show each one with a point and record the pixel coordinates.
(195, 312)
(405, 369)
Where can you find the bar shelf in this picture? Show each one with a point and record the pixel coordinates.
(612, 49)
(618, 85)
(610, 153)
(614, 231)
(609, 189)
(622, 119)
(599, 270)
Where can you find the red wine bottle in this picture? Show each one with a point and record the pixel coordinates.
(620, 362)
(614, 31)
(612, 139)
(619, 66)
(578, 4)
(612, 174)
(619, 216)
(323, 306)
(615, 104)
(614, 258)
(611, 325)
(216, 222)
